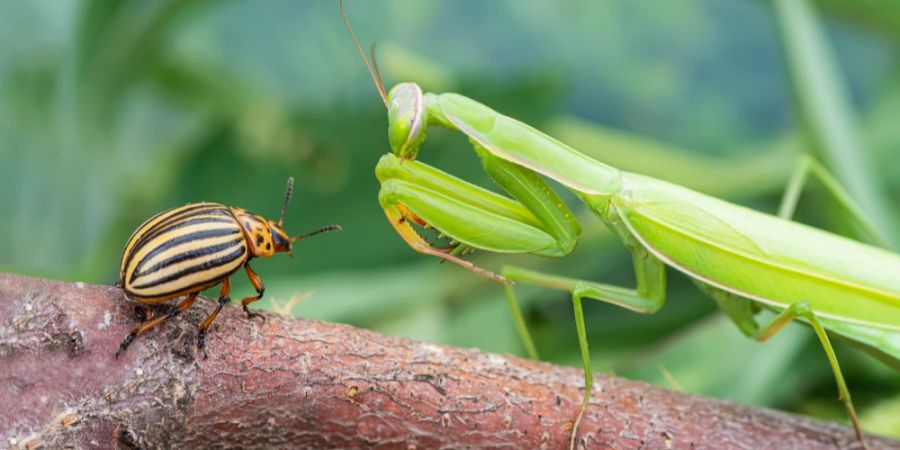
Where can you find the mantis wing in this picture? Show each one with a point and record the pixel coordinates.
(883, 344)
(761, 257)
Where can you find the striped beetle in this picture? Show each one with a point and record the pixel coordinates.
(184, 251)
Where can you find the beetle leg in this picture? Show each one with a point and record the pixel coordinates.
(224, 297)
(142, 313)
(260, 289)
(146, 326)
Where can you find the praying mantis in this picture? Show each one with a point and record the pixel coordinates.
(745, 260)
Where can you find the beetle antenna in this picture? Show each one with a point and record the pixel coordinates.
(288, 190)
(319, 231)
(374, 73)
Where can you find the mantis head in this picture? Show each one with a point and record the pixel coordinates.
(406, 113)
(406, 120)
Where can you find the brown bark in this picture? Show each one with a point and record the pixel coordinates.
(294, 383)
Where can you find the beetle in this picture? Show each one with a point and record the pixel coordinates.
(183, 251)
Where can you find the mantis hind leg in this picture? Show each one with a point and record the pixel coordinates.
(648, 297)
(741, 312)
(806, 166)
(802, 310)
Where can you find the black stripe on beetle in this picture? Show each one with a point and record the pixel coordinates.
(206, 265)
(177, 215)
(182, 239)
(195, 253)
(185, 222)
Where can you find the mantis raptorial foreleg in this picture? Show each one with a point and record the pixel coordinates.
(415, 193)
(533, 192)
(648, 297)
(806, 166)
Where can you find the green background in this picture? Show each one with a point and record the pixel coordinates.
(111, 111)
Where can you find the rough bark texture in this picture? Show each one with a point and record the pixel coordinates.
(294, 383)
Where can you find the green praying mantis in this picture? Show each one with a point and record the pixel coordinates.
(743, 259)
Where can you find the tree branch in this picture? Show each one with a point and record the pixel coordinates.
(300, 383)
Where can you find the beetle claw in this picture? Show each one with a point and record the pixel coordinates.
(252, 315)
(201, 344)
(125, 343)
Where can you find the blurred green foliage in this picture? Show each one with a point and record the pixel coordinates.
(111, 111)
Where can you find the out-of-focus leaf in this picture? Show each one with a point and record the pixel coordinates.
(883, 417)
(485, 323)
(743, 176)
(824, 108)
(714, 358)
(352, 296)
(879, 15)
(401, 64)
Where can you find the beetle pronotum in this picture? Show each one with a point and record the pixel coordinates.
(183, 251)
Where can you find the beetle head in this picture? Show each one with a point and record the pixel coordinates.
(280, 240)
(278, 237)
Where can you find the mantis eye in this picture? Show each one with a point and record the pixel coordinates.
(406, 120)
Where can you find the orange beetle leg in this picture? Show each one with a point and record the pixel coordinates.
(146, 326)
(224, 297)
(260, 290)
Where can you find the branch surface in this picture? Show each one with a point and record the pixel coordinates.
(295, 383)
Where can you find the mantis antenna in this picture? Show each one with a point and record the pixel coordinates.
(374, 73)
(288, 190)
(375, 65)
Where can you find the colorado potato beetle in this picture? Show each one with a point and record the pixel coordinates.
(183, 251)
